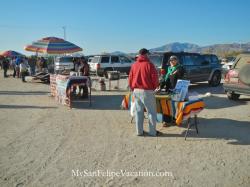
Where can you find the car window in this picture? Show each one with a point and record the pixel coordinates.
(199, 60)
(215, 59)
(66, 59)
(188, 60)
(90, 59)
(156, 60)
(114, 59)
(125, 59)
(230, 59)
(208, 58)
(241, 62)
(95, 59)
(105, 59)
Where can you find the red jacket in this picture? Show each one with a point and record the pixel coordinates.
(143, 75)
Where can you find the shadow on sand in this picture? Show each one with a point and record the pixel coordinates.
(23, 93)
(203, 88)
(24, 107)
(100, 102)
(113, 102)
(235, 132)
(215, 102)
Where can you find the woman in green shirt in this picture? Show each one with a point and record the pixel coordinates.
(174, 72)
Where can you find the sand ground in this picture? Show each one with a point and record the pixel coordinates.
(43, 143)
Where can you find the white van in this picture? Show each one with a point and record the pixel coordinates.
(64, 63)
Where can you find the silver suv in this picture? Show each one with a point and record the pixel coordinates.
(100, 64)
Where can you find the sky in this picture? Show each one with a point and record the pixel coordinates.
(123, 25)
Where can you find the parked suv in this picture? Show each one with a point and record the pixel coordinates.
(237, 80)
(100, 64)
(197, 67)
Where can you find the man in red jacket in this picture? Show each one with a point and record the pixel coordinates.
(143, 80)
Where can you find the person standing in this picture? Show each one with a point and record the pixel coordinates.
(32, 64)
(23, 69)
(5, 67)
(13, 64)
(18, 60)
(143, 80)
(1, 61)
(84, 70)
(76, 62)
(83, 67)
(43, 64)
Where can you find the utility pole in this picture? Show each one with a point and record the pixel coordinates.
(64, 32)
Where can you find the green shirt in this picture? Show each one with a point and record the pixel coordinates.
(171, 70)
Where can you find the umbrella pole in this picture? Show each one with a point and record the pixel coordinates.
(54, 59)
(36, 61)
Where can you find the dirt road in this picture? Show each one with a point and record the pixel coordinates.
(44, 144)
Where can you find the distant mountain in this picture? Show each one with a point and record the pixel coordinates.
(178, 47)
(218, 49)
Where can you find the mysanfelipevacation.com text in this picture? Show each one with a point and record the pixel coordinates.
(119, 173)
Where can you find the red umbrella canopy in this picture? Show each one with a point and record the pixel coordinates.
(53, 45)
(11, 53)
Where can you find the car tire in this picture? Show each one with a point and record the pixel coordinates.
(216, 78)
(233, 96)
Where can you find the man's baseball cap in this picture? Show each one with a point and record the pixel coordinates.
(143, 51)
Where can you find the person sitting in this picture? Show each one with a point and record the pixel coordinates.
(174, 72)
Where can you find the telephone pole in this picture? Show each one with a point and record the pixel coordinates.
(64, 32)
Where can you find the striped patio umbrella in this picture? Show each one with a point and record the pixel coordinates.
(52, 45)
(10, 54)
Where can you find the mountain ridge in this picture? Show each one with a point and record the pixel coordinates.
(190, 47)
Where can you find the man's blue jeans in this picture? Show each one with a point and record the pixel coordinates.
(145, 99)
